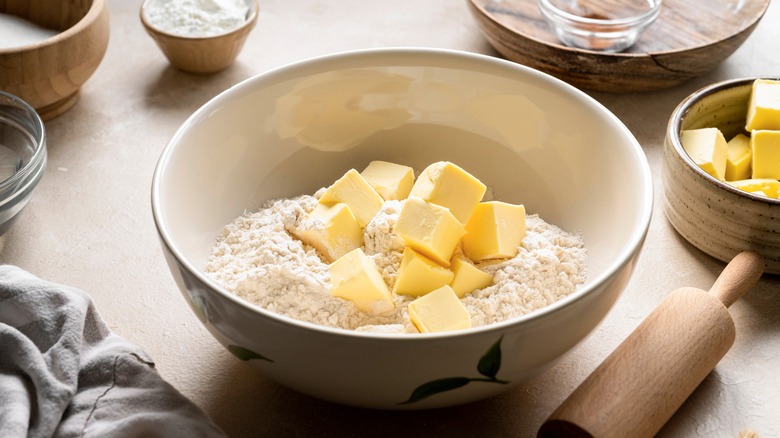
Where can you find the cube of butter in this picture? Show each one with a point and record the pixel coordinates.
(768, 186)
(418, 275)
(468, 277)
(355, 277)
(430, 229)
(353, 190)
(439, 311)
(764, 107)
(766, 154)
(446, 184)
(738, 158)
(708, 149)
(494, 231)
(332, 229)
(392, 181)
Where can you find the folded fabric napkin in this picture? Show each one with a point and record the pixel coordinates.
(63, 373)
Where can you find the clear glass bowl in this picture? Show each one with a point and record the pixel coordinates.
(600, 25)
(22, 156)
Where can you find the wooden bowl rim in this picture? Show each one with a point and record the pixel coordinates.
(94, 12)
(248, 24)
(675, 125)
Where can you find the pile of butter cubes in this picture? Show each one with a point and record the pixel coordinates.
(441, 212)
(750, 163)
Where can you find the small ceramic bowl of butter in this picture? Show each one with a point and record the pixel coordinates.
(335, 134)
(200, 36)
(720, 173)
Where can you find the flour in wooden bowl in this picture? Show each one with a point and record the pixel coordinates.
(257, 258)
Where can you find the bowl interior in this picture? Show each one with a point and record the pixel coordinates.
(723, 106)
(51, 14)
(531, 138)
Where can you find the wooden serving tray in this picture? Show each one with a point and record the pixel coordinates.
(689, 38)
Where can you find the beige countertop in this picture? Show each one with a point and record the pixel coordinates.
(89, 225)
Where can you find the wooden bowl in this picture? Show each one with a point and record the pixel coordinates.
(202, 55)
(49, 74)
(713, 216)
(688, 39)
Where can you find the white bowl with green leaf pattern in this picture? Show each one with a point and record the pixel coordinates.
(533, 139)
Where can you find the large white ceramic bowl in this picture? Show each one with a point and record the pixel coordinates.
(532, 138)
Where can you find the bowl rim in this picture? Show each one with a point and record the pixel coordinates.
(618, 25)
(31, 171)
(624, 257)
(674, 129)
(94, 12)
(249, 23)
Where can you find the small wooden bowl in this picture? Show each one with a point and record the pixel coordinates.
(49, 74)
(713, 216)
(202, 55)
(689, 38)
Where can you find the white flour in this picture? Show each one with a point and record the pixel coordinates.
(197, 18)
(17, 32)
(257, 259)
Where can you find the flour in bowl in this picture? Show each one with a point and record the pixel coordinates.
(257, 258)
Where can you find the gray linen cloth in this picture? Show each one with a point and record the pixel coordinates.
(63, 373)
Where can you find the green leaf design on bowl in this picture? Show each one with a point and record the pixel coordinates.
(490, 362)
(246, 354)
(488, 366)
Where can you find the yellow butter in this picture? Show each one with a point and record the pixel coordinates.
(392, 181)
(764, 107)
(355, 277)
(332, 230)
(738, 158)
(708, 149)
(446, 184)
(767, 186)
(468, 277)
(765, 146)
(430, 229)
(353, 190)
(439, 311)
(418, 275)
(494, 231)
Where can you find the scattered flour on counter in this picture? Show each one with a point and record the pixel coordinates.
(257, 258)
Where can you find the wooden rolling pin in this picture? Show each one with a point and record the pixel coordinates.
(646, 379)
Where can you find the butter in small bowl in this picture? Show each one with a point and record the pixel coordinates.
(722, 169)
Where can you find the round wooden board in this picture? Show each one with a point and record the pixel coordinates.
(689, 38)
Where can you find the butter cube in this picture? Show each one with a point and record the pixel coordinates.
(764, 107)
(331, 229)
(439, 311)
(738, 158)
(468, 277)
(418, 275)
(392, 181)
(355, 277)
(446, 184)
(353, 190)
(494, 231)
(708, 149)
(766, 154)
(767, 186)
(430, 229)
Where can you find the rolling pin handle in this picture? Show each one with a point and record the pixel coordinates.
(739, 276)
